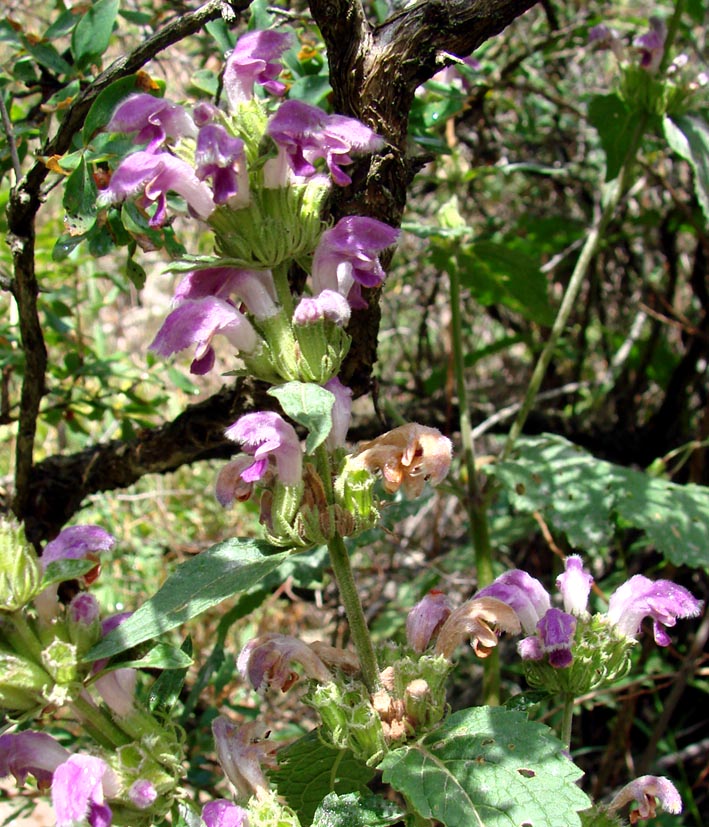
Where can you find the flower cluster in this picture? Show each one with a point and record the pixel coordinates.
(44, 665)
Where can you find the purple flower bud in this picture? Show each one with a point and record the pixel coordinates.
(255, 288)
(661, 600)
(204, 113)
(652, 45)
(328, 305)
(78, 789)
(341, 413)
(84, 609)
(575, 585)
(77, 542)
(30, 753)
(306, 133)
(255, 59)
(426, 618)
(530, 648)
(142, 793)
(266, 661)
(220, 156)
(556, 630)
(154, 119)
(222, 813)
(523, 593)
(152, 176)
(644, 791)
(241, 755)
(196, 323)
(266, 435)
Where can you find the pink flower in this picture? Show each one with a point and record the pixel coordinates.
(266, 660)
(241, 755)
(78, 789)
(523, 593)
(154, 119)
(426, 618)
(255, 59)
(575, 585)
(268, 437)
(255, 288)
(220, 156)
(644, 791)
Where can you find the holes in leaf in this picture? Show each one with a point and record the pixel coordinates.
(487, 741)
(526, 773)
(520, 488)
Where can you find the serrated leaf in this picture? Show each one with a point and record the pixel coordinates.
(92, 33)
(688, 136)
(355, 810)
(195, 586)
(310, 769)
(586, 498)
(309, 405)
(488, 767)
(614, 123)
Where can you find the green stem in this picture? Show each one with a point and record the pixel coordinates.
(476, 502)
(355, 615)
(100, 726)
(567, 718)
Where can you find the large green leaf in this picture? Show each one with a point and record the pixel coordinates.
(586, 498)
(615, 123)
(354, 810)
(309, 769)
(206, 579)
(90, 38)
(688, 135)
(309, 405)
(488, 767)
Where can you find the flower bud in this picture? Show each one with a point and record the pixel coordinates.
(20, 570)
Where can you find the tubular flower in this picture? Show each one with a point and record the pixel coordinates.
(78, 789)
(241, 755)
(651, 45)
(478, 619)
(31, 753)
(341, 412)
(223, 813)
(328, 305)
(556, 631)
(255, 288)
(644, 791)
(408, 457)
(255, 59)
(265, 662)
(266, 435)
(77, 542)
(230, 483)
(575, 585)
(425, 619)
(305, 133)
(197, 322)
(523, 593)
(661, 600)
(220, 156)
(152, 176)
(346, 257)
(154, 119)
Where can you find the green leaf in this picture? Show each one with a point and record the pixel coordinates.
(309, 769)
(614, 122)
(68, 569)
(165, 691)
(80, 193)
(161, 656)
(90, 38)
(586, 498)
(46, 55)
(202, 582)
(310, 406)
(488, 767)
(354, 810)
(688, 136)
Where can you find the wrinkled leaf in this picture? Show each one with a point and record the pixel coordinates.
(488, 767)
(310, 406)
(355, 810)
(206, 579)
(688, 136)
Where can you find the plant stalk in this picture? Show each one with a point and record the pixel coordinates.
(567, 718)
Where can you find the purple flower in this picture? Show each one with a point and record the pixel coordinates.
(220, 156)
(523, 593)
(575, 585)
(556, 634)
(255, 59)
(241, 755)
(30, 753)
(77, 542)
(644, 791)
(152, 176)
(652, 45)
(197, 322)
(306, 133)
(255, 288)
(231, 485)
(266, 435)
(346, 257)
(83, 610)
(78, 789)
(341, 413)
(266, 660)
(661, 600)
(154, 119)
(328, 305)
(222, 813)
(426, 618)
